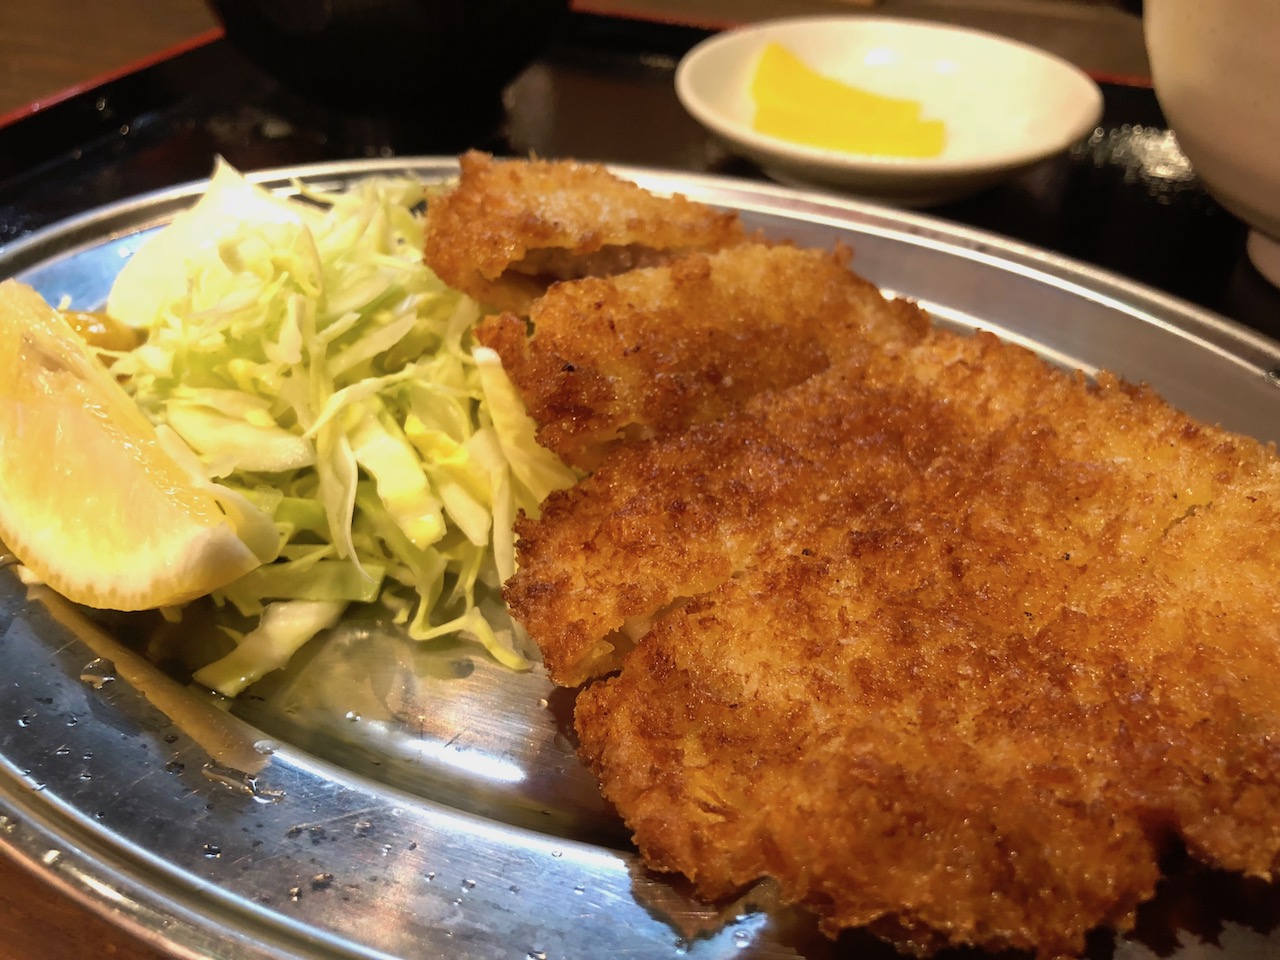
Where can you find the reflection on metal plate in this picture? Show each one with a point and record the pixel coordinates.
(384, 798)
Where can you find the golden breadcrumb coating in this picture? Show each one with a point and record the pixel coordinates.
(951, 644)
(970, 640)
(511, 227)
(653, 351)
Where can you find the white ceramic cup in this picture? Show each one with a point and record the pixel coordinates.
(1216, 69)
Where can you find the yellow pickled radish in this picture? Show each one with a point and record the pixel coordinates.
(796, 103)
(89, 500)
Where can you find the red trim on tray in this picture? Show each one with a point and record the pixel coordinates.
(630, 12)
(1120, 79)
(199, 40)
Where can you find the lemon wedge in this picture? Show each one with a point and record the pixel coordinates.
(90, 501)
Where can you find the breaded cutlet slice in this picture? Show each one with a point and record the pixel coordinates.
(653, 351)
(510, 228)
(1024, 638)
(669, 519)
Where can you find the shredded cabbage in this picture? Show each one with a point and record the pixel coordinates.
(302, 356)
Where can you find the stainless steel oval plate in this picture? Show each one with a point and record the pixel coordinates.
(382, 798)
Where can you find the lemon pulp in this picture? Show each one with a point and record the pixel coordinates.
(795, 103)
(89, 500)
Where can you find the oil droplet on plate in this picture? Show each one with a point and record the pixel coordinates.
(98, 672)
(240, 782)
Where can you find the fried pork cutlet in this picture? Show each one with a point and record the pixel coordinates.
(510, 228)
(951, 644)
(651, 352)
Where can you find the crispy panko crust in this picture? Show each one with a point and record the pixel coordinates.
(651, 352)
(948, 642)
(509, 228)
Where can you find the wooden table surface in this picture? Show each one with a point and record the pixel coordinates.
(38, 922)
(48, 47)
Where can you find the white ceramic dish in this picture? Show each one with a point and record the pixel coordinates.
(1007, 105)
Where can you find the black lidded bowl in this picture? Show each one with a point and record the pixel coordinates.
(389, 56)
